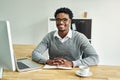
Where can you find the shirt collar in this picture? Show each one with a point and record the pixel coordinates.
(69, 35)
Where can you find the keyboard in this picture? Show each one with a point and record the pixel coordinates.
(22, 65)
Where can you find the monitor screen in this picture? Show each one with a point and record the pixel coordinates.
(7, 59)
(82, 25)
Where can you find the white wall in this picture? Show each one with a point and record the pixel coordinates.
(29, 22)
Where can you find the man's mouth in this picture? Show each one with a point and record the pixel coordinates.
(61, 26)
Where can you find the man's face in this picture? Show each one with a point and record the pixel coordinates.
(63, 21)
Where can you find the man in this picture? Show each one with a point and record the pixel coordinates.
(66, 47)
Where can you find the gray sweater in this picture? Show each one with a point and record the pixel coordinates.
(76, 49)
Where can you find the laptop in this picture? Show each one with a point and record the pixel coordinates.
(25, 64)
(7, 57)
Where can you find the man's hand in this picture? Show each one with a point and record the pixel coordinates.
(60, 62)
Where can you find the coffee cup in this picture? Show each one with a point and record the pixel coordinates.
(84, 70)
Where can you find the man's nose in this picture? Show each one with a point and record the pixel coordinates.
(61, 21)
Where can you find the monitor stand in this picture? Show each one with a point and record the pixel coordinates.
(1, 72)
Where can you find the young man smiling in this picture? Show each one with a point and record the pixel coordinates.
(65, 46)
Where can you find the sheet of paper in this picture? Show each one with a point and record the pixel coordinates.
(53, 67)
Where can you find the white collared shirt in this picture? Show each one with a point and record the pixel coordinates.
(69, 35)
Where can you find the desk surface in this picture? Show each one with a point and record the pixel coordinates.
(100, 72)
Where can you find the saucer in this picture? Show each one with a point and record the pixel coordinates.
(83, 75)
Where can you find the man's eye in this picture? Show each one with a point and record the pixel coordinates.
(58, 19)
(65, 19)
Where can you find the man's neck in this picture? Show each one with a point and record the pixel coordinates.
(62, 34)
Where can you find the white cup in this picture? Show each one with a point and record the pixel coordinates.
(84, 70)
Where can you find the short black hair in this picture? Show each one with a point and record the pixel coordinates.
(64, 10)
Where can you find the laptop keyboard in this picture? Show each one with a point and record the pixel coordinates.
(22, 65)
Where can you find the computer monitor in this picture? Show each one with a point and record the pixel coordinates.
(7, 59)
(82, 25)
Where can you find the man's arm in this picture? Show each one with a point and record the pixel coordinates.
(90, 55)
(37, 54)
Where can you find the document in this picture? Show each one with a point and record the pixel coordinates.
(55, 67)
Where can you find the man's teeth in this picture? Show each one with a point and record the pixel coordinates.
(61, 26)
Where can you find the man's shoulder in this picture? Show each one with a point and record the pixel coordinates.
(79, 36)
(76, 33)
(50, 34)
